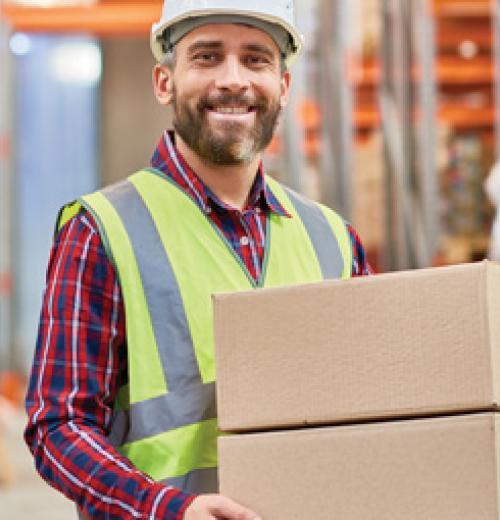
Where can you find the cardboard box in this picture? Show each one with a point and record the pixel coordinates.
(402, 344)
(418, 469)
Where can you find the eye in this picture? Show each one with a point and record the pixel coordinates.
(205, 57)
(257, 60)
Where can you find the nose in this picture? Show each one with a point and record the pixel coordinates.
(232, 76)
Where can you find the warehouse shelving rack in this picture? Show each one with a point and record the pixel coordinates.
(410, 103)
(407, 102)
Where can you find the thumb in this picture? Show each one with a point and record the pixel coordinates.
(230, 510)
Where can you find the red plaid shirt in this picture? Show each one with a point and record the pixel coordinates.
(81, 354)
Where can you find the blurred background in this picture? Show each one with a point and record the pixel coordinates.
(394, 121)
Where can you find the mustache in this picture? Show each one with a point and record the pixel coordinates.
(232, 100)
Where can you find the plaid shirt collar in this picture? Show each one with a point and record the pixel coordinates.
(169, 160)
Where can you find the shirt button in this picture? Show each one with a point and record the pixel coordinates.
(257, 210)
(208, 210)
(244, 241)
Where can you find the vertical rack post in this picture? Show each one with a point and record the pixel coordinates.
(336, 104)
(412, 219)
(293, 137)
(6, 202)
(426, 137)
(392, 100)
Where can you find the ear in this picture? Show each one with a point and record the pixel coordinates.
(163, 84)
(285, 88)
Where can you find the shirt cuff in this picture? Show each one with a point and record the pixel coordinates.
(170, 504)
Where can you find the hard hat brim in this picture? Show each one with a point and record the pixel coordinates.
(159, 28)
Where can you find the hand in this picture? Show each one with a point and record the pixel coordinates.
(217, 507)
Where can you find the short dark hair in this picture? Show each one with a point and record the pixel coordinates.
(169, 59)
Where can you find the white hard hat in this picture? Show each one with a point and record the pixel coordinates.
(272, 16)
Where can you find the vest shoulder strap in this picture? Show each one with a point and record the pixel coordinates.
(326, 229)
(66, 213)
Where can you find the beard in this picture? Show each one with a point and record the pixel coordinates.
(232, 142)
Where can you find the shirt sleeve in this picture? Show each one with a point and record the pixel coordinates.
(360, 265)
(79, 364)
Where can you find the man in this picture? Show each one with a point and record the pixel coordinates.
(121, 400)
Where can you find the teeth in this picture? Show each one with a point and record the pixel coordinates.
(231, 110)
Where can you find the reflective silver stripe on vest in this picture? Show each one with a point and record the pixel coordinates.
(197, 481)
(322, 237)
(171, 329)
(161, 414)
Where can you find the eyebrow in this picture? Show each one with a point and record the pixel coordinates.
(215, 44)
(263, 49)
(203, 44)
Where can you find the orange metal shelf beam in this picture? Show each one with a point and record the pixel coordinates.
(366, 119)
(462, 118)
(456, 71)
(447, 40)
(101, 19)
(456, 116)
(462, 8)
(449, 71)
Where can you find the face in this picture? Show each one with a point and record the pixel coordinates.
(227, 91)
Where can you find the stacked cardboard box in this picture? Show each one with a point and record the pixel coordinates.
(386, 389)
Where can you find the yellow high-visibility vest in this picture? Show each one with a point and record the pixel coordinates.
(170, 258)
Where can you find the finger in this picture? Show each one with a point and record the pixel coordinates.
(229, 510)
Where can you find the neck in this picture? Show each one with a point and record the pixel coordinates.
(231, 184)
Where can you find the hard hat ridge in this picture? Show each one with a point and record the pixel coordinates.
(173, 34)
(276, 17)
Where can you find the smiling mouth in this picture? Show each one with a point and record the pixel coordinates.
(232, 110)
